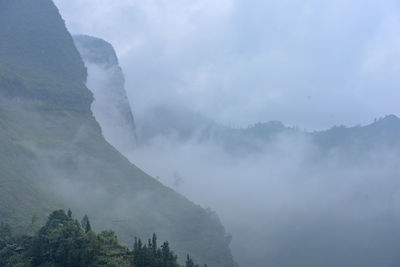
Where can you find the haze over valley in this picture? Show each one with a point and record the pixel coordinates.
(234, 132)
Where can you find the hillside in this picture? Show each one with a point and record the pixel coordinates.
(64, 241)
(53, 155)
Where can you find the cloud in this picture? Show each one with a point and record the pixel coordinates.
(245, 61)
(306, 62)
(289, 206)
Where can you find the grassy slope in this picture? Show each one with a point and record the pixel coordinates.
(52, 153)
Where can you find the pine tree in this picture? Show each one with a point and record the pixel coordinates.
(86, 224)
(154, 244)
(189, 262)
(62, 241)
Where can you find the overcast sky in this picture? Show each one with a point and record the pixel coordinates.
(309, 63)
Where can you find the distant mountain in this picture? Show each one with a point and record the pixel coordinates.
(172, 121)
(106, 81)
(326, 198)
(53, 154)
(184, 125)
(382, 133)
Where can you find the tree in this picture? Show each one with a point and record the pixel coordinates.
(86, 224)
(154, 244)
(5, 235)
(63, 241)
(189, 261)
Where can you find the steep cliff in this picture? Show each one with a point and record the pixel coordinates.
(53, 155)
(106, 81)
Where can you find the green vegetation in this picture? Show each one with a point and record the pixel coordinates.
(33, 38)
(63, 241)
(53, 154)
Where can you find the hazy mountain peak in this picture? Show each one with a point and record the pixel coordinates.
(388, 120)
(106, 80)
(96, 50)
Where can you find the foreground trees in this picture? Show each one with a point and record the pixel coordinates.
(63, 241)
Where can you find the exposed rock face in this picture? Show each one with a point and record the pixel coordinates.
(106, 80)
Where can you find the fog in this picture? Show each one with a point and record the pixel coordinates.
(241, 61)
(292, 201)
(111, 105)
(286, 207)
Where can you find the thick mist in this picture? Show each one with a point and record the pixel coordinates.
(72, 167)
(288, 206)
(111, 105)
(243, 61)
(287, 197)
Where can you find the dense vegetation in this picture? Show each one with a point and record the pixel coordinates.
(63, 241)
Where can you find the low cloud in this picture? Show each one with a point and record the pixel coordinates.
(289, 206)
(306, 63)
(246, 61)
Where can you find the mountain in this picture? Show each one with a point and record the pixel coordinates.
(184, 125)
(172, 121)
(106, 81)
(326, 198)
(53, 154)
(381, 134)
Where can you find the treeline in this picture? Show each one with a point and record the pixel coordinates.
(64, 241)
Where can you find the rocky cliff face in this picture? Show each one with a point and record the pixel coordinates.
(53, 154)
(106, 81)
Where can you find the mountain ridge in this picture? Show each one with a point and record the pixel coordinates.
(53, 155)
(256, 137)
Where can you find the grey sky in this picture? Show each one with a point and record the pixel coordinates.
(306, 62)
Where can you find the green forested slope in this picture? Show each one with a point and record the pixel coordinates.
(64, 241)
(52, 153)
